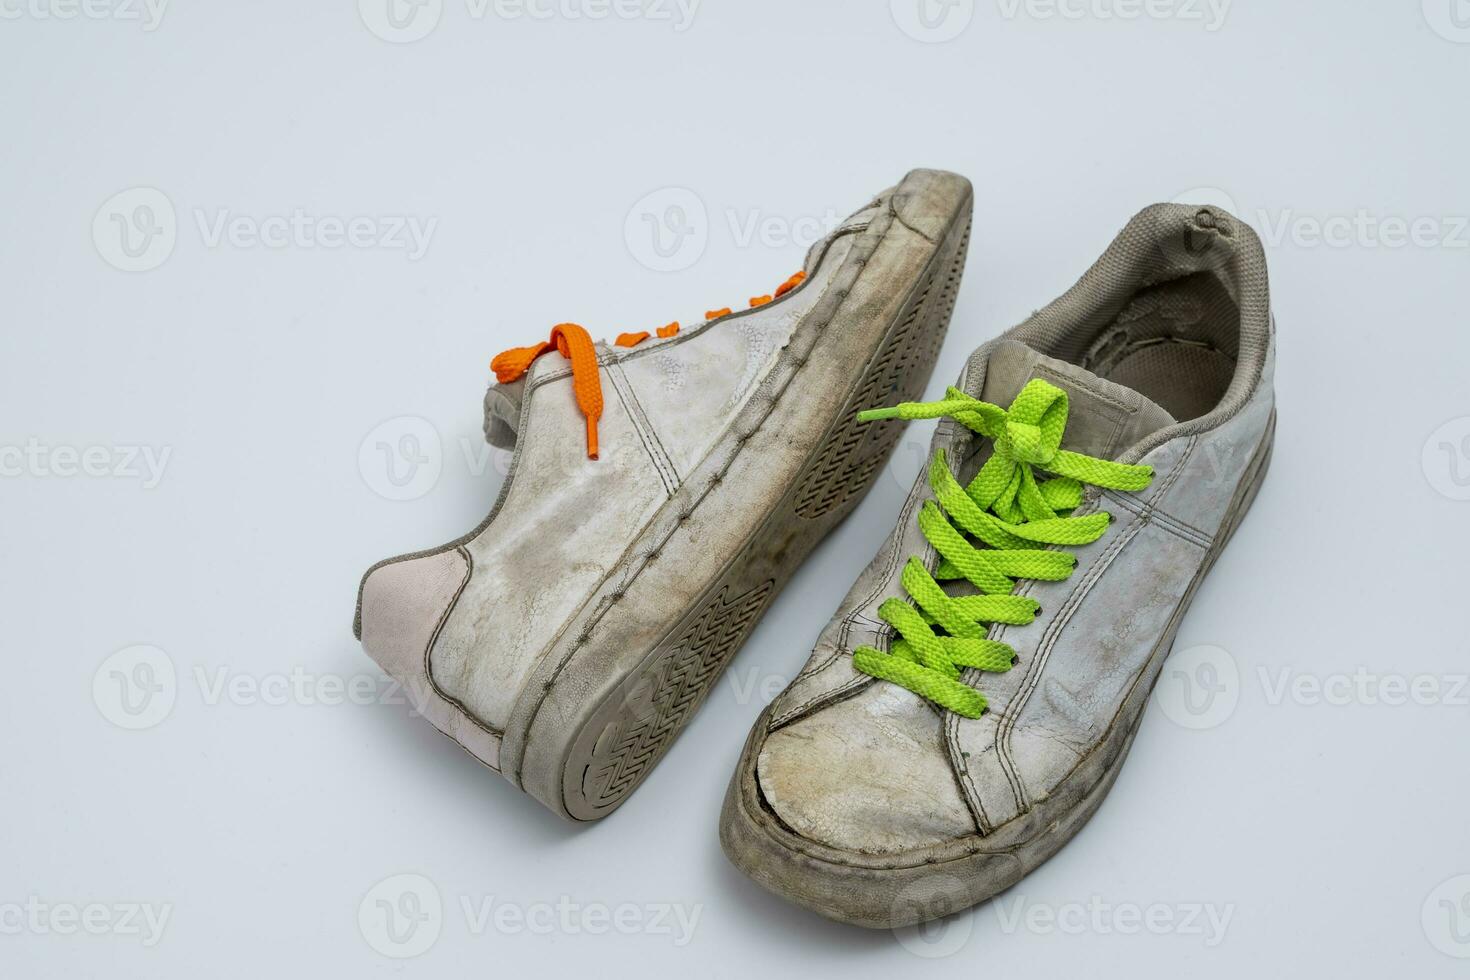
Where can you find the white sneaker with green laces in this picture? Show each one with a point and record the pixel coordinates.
(972, 701)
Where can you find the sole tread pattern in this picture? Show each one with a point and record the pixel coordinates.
(661, 699)
(666, 694)
(845, 465)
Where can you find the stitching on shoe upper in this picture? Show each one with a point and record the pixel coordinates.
(1054, 629)
(787, 353)
(1042, 655)
(1178, 528)
(1006, 718)
(469, 569)
(949, 432)
(895, 558)
(644, 428)
(614, 355)
(893, 553)
(948, 731)
(648, 557)
(1095, 390)
(972, 846)
(964, 778)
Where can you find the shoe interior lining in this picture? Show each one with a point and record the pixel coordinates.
(1175, 342)
(1177, 308)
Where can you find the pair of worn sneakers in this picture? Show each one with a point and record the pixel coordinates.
(973, 698)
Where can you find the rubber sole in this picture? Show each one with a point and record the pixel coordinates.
(586, 745)
(616, 748)
(896, 894)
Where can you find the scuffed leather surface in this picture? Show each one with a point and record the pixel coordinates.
(574, 547)
(568, 521)
(1083, 668)
(1093, 638)
(1102, 626)
(1077, 662)
(1103, 419)
(688, 389)
(565, 519)
(868, 774)
(403, 604)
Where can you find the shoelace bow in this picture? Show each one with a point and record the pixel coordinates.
(576, 345)
(1014, 516)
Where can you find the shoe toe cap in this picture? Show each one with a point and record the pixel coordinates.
(869, 774)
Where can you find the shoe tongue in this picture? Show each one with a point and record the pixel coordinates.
(1104, 419)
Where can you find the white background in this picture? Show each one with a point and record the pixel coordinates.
(1329, 828)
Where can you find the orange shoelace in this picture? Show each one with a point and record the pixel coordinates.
(575, 344)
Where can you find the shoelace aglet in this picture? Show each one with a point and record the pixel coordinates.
(879, 414)
(591, 438)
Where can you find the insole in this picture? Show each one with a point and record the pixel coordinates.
(1174, 343)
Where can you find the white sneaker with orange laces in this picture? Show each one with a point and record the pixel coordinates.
(662, 491)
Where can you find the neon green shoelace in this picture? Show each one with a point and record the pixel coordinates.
(1010, 512)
